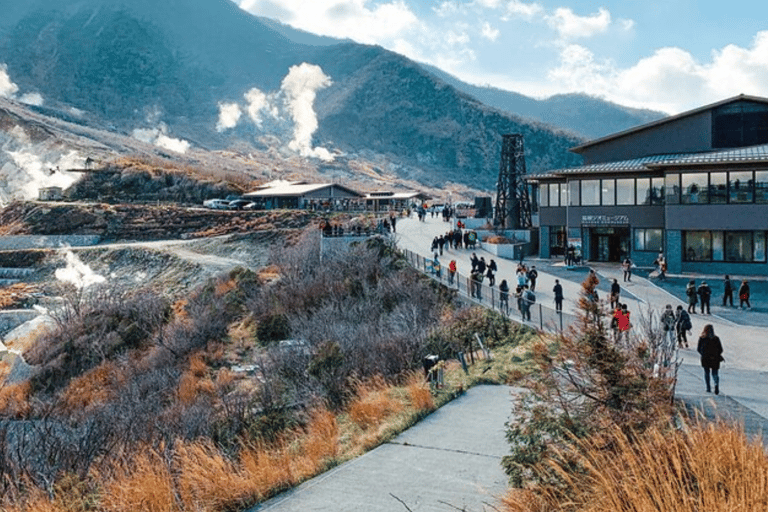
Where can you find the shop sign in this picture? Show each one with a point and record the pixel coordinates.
(605, 220)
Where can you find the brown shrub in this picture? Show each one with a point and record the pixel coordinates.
(14, 400)
(372, 403)
(95, 387)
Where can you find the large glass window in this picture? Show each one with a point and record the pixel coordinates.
(554, 194)
(672, 188)
(740, 186)
(643, 191)
(609, 192)
(543, 194)
(563, 194)
(738, 246)
(573, 189)
(651, 240)
(625, 191)
(694, 188)
(590, 192)
(760, 246)
(718, 246)
(718, 188)
(657, 190)
(557, 240)
(761, 187)
(698, 246)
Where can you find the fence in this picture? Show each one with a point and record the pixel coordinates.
(542, 317)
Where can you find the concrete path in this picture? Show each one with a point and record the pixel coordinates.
(743, 375)
(451, 460)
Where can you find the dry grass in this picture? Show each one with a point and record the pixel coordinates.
(712, 467)
(14, 400)
(94, 387)
(373, 403)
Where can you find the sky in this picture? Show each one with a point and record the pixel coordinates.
(670, 56)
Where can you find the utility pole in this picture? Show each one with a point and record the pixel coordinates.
(513, 205)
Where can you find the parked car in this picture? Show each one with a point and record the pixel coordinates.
(216, 204)
(239, 204)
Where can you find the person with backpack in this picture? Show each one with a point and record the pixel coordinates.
(668, 324)
(690, 291)
(704, 292)
(682, 325)
(529, 298)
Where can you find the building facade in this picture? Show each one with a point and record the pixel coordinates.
(693, 186)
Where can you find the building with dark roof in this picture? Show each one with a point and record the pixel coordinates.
(693, 186)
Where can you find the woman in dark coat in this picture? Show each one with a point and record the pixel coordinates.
(711, 351)
(744, 295)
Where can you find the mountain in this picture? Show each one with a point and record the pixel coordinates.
(168, 65)
(584, 115)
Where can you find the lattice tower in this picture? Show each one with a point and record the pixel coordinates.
(513, 205)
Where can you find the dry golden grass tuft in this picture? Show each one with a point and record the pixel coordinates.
(712, 467)
(96, 386)
(14, 400)
(419, 394)
(194, 381)
(143, 483)
(372, 403)
(225, 286)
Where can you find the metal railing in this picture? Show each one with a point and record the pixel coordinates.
(542, 317)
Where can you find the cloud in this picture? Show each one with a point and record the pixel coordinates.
(570, 26)
(7, 87)
(488, 32)
(671, 79)
(518, 9)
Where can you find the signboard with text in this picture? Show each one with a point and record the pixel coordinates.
(604, 220)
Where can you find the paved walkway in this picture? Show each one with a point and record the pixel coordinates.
(743, 375)
(451, 460)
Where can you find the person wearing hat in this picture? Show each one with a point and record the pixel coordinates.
(705, 292)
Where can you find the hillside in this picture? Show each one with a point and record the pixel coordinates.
(168, 65)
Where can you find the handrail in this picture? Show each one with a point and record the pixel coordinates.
(542, 318)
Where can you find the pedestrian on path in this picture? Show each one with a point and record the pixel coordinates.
(474, 261)
(627, 267)
(623, 324)
(727, 291)
(704, 292)
(558, 291)
(504, 296)
(744, 295)
(711, 351)
(451, 271)
(682, 325)
(528, 299)
(690, 291)
(668, 324)
(533, 274)
(615, 293)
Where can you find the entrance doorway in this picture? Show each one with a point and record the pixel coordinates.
(609, 244)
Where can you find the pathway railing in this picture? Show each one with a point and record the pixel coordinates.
(542, 317)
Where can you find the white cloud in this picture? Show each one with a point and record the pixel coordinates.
(159, 137)
(570, 25)
(671, 79)
(7, 87)
(518, 9)
(488, 32)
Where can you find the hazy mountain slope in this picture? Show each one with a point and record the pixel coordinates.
(584, 115)
(174, 61)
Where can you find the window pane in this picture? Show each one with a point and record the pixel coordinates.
(694, 188)
(672, 188)
(657, 190)
(717, 246)
(643, 191)
(653, 240)
(738, 246)
(761, 187)
(625, 191)
(590, 192)
(740, 187)
(563, 194)
(639, 239)
(544, 194)
(698, 246)
(609, 192)
(573, 188)
(718, 188)
(760, 246)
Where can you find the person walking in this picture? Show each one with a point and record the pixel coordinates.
(727, 291)
(682, 325)
(627, 267)
(528, 299)
(504, 296)
(623, 324)
(744, 295)
(711, 351)
(451, 271)
(704, 292)
(491, 272)
(615, 293)
(668, 324)
(558, 291)
(474, 261)
(533, 274)
(690, 291)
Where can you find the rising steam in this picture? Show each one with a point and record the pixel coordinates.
(7, 87)
(78, 273)
(293, 104)
(159, 137)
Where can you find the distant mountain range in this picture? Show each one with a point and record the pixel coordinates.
(170, 65)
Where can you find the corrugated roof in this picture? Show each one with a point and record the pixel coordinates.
(293, 189)
(647, 163)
